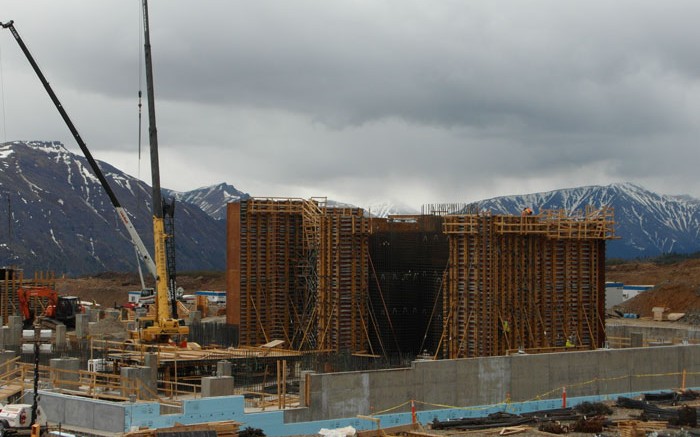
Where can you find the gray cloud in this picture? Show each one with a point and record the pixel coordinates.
(415, 101)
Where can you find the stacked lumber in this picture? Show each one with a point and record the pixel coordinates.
(222, 429)
(634, 428)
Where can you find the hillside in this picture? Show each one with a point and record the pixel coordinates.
(677, 285)
(61, 219)
(110, 289)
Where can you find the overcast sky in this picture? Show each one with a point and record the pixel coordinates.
(407, 101)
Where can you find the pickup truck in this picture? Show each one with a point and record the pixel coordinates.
(15, 420)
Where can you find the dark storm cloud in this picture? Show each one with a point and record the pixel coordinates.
(421, 99)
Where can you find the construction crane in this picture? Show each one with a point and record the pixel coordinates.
(121, 212)
(165, 328)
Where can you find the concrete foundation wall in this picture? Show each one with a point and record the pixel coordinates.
(441, 388)
(493, 380)
(653, 333)
(83, 412)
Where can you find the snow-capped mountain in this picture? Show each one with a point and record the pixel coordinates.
(385, 209)
(55, 216)
(212, 199)
(377, 208)
(648, 223)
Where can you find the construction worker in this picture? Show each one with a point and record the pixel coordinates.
(527, 211)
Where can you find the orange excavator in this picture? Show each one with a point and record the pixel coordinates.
(51, 307)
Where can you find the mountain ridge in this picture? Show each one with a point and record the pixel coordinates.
(649, 223)
(57, 217)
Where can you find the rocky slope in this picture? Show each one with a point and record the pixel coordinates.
(55, 216)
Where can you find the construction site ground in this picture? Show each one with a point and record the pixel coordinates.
(110, 289)
(676, 287)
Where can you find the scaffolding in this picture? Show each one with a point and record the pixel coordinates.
(298, 269)
(455, 285)
(521, 283)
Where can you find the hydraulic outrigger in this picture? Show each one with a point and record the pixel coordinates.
(165, 327)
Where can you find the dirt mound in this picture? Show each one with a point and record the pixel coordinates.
(676, 286)
(112, 289)
(109, 329)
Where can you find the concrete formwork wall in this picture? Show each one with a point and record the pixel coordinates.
(271, 250)
(297, 271)
(519, 283)
(341, 297)
(407, 269)
(493, 380)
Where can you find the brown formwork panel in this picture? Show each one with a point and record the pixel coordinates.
(342, 294)
(528, 283)
(303, 274)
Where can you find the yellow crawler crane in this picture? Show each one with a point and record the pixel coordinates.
(165, 328)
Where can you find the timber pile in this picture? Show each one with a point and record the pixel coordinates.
(635, 428)
(222, 429)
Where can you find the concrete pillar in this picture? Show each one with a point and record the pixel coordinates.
(91, 327)
(5, 356)
(94, 314)
(303, 382)
(136, 383)
(15, 324)
(60, 337)
(194, 317)
(217, 386)
(64, 372)
(150, 361)
(82, 325)
(224, 368)
(4, 334)
(112, 313)
(636, 339)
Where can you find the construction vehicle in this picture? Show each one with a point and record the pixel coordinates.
(54, 308)
(164, 328)
(15, 419)
(139, 246)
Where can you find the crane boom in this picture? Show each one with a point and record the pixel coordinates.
(166, 326)
(121, 212)
(162, 310)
